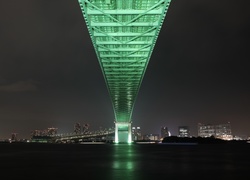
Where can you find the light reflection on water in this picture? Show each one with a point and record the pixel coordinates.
(124, 162)
(135, 162)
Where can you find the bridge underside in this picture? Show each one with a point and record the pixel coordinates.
(123, 33)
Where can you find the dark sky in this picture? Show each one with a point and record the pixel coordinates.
(50, 76)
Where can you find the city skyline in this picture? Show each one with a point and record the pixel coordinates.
(50, 76)
(81, 128)
(221, 131)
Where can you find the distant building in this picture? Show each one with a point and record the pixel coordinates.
(136, 133)
(206, 130)
(85, 128)
(36, 133)
(164, 132)
(221, 131)
(77, 128)
(183, 131)
(151, 137)
(14, 137)
(45, 132)
(52, 131)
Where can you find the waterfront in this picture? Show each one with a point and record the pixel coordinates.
(132, 162)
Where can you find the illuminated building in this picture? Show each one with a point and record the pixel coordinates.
(206, 130)
(43, 136)
(136, 133)
(183, 131)
(221, 131)
(85, 128)
(52, 131)
(151, 137)
(164, 132)
(77, 128)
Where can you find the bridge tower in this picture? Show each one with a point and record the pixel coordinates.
(123, 33)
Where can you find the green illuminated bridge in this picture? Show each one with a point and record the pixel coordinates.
(123, 33)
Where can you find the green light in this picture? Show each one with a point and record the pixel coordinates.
(124, 161)
(123, 34)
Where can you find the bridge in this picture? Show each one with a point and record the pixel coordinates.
(95, 136)
(123, 33)
(104, 135)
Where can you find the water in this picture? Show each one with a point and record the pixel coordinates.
(130, 162)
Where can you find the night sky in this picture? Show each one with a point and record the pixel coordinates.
(50, 76)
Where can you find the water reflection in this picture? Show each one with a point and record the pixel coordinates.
(124, 162)
(136, 162)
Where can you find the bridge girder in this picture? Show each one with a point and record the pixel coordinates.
(124, 33)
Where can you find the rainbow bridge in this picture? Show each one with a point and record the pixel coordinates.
(123, 33)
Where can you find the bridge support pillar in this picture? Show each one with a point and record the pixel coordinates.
(123, 133)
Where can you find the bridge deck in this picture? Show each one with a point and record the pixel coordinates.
(124, 33)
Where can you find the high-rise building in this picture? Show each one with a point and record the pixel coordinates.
(221, 131)
(164, 132)
(77, 128)
(52, 131)
(183, 131)
(85, 128)
(206, 130)
(136, 133)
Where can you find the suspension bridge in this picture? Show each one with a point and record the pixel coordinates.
(123, 34)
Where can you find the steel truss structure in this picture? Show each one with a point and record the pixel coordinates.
(123, 33)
